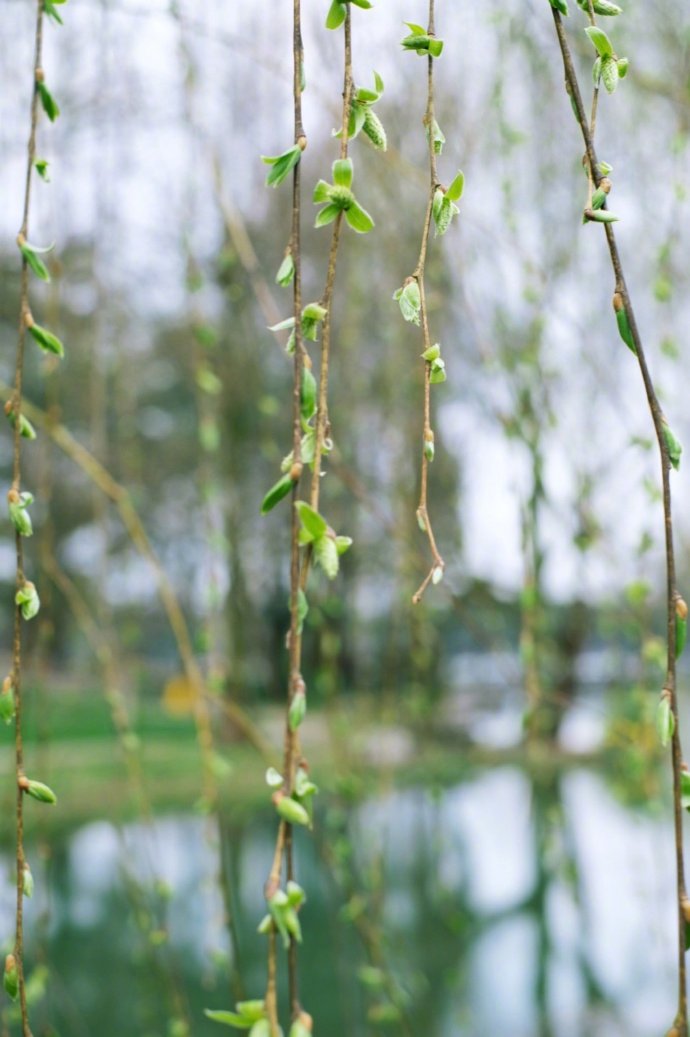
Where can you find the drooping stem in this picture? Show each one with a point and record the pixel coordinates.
(672, 595)
(327, 298)
(423, 518)
(16, 485)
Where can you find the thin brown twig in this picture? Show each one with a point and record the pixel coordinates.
(117, 493)
(437, 563)
(672, 596)
(24, 313)
(322, 423)
(291, 741)
(299, 567)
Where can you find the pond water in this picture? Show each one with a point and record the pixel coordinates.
(502, 902)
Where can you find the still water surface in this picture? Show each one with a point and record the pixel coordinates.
(499, 904)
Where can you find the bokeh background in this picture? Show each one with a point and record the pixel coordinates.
(458, 885)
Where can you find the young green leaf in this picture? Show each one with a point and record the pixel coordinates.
(603, 7)
(438, 371)
(38, 791)
(49, 6)
(41, 167)
(11, 978)
(26, 429)
(308, 394)
(600, 40)
(228, 1018)
(560, 5)
(685, 789)
(665, 721)
(609, 73)
(286, 271)
(19, 516)
(314, 524)
(31, 255)
(336, 15)
(27, 882)
(290, 810)
(456, 188)
(297, 710)
(410, 300)
(359, 219)
(7, 706)
(276, 493)
(327, 215)
(326, 554)
(28, 600)
(374, 130)
(623, 322)
(600, 216)
(681, 626)
(48, 342)
(48, 102)
(672, 445)
(281, 164)
(343, 172)
(438, 137)
(432, 353)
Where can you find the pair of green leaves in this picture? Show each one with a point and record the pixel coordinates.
(421, 42)
(312, 315)
(26, 429)
(363, 118)
(246, 1015)
(281, 164)
(19, 516)
(32, 255)
(283, 910)
(327, 547)
(339, 197)
(338, 10)
(308, 407)
(607, 66)
(603, 7)
(409, 299)
(444, 207)
(27, 600)
(437, 366)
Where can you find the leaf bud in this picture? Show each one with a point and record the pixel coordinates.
(11, 977)
(37, 790)
(290, 810)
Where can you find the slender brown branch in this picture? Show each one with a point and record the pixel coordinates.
(322, 424)
(672, 595)
(437, 563)
(16, 485)
(131, 520)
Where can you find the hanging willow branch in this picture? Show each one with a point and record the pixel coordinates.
(608, 70)
(312, 540)
(440, 210)
(27, 601)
